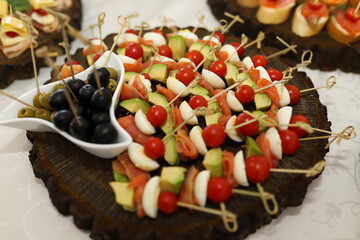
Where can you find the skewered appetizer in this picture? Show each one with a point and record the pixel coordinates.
(41, 19)
(274, 11)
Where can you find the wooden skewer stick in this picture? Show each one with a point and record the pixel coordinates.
(142, 27)
(204, 59)
(123, 24)
(70, 102)
(191, 85)
(16, 99)
(130, 16)
(313, 171)
(227, 216)
(154, 58)
(200, 22)
(284, 51)
(357, 8)
(304, 63)
(234, 85)
(257, 41)
(91, 27)
(265, 196)
(330, 82)
(244, 40)
(101, 19)
(235, 19)
(65, 45)
(265, 201)
(270, 85)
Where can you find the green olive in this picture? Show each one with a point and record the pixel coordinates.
(112, 84)
(44, 100)
(57, 87)
(43, 114)
(26, 112)
(113, 73)
(36, 101)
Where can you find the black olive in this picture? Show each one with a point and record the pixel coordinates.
(58, 101)
(62, 119)
(85, 93)
(99, 117)
(104, 133)
(75, 85)
(81, 109)
(104, 77)
(79, 130)
(101, 102)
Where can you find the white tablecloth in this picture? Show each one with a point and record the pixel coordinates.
(331, 209)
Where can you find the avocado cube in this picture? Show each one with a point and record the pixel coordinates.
(252, 149)
(213, 162)
(123, 195)
(212, 118)
(134, 104)
(129, 75)
(158, 72)
(172, 178)
(231, 74)
(171, 156)
(178, 46)
(262, 101)
(198, 90)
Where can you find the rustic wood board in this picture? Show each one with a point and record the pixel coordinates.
(78, 183)
(9, 68)
(328, 53)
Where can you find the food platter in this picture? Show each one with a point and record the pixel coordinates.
(79, 187)
(328, 53)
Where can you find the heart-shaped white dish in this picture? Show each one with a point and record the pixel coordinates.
(9, 117)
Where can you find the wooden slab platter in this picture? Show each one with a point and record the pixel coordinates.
(9, 68)
(328, 53)
(78, 182)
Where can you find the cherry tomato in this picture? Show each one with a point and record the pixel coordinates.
(219, 68)
(156, 115)
(289, 141)
(185, 75)
(248, 130)
(294, 93)
(195, 56)
(73, 62)
(167, 202)
(197, 101)
(350, 14)
(214, 135)
(257, 169)
(159, 32)
(134, 50)
(219, 190)
(41, 12)
(275, 74)
(96, 57)
(221, 37)
(240, 51)
(245, 94)
(133, 31)
(295, 119)
(259, 60)
(147, 76)
(315, 5)
(154, 148)
(165, 50)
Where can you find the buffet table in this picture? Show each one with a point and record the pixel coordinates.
(331, 209)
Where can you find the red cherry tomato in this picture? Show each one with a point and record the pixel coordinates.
(185, 75)
(73, 62)
(197, 101)
(214, 135)
(96, 57)
(154, 148)
(219, 68)
(248, 130)
(165, 50)
(295, 119)
(133, 31)
(147, 76)
(257, 169)
(289, 141)
(167, 202)
(159, 32)
(195, 56)
(134, 50)
(315, 5)
(156, 115)
(240, 51)
(41, 12)
(221, 37)
(275, 74)
(294, 93)
(350, 14)
(219, 190)
(259, 60)
(245, 94)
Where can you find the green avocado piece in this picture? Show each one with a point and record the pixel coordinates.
(159, 99)
(231, 74)
(89, 58)
(213, 106)
(134, 104)
(120, 51)
(120, 177)
(198, 90)
(123, 195)
(252, 149)
(247, 81)
(212, 58)
(262, 101)
(147, 53)
(171, 156)
(203, 48)
(172, 73)
(129, 75)
(262, 128)
(172, 178)
(212, 118)
(213, 162)
(158, 72)
(178, 46)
